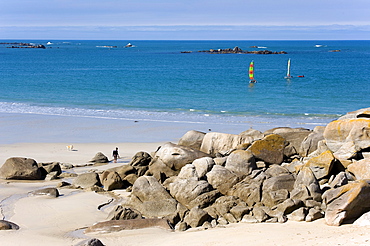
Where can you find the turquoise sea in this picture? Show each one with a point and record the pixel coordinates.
(154, 81)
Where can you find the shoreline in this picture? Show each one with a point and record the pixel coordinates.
(39, 128)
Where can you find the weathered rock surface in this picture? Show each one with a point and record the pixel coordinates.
(151, 199)
(111, 181)
(186, 190)
(51, 167)
(21, 168)
(241, 162)
(270, 149)
(87, 180)
(310, 143)
(203, 166)
(361, 169)
(123, 213)
(7, 225)
(293, 136)
(349, 134)
(346, 202)
(176, 156)
(222, 179)
(100, 158)
(119, 225)
(322, 164)
(215, 142)
(196, 217)
(50, 192)
(192, 139)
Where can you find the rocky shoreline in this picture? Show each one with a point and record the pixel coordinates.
(213, 179)
(237, 50)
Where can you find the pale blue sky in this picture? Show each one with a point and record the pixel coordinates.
(190, 19)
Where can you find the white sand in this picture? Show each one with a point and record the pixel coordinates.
(58, 221)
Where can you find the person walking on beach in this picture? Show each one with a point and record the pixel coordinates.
(115, 155)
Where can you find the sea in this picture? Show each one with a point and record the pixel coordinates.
(170, 81)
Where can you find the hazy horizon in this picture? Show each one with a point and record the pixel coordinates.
(185, 20)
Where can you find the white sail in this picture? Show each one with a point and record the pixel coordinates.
(288, 76)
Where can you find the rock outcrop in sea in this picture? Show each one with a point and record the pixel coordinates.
(211, 179)
(237, 50)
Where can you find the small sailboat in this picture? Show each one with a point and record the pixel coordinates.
(288, 76)
(251, 73)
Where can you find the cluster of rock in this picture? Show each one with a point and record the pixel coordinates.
(25, 45)
(211, 179)
(237, 50)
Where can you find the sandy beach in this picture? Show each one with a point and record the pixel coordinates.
(60, 221)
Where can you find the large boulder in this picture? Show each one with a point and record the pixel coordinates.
(51, 167)
(310, 143)
(111, 181)
(187, 190)
(222, 179)
(99, 158)
(322, 164)
(349, 134)
(293, 136)
(275, 190)
(203, 166)
(241, 162)
(87, 180)
(215, 142)
(175, 156)
(151, 199)
(140, 161)
(21, 168)
(270, 149)
(196, 217)
(306, 186)
(346, 202)
(192, 139)
(160, 170)
(248, 190)
(361, 168)
(188, 171)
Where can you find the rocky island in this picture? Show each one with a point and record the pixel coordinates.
(25, 45)
(237, 50)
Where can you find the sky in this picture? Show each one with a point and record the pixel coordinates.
(185, 20)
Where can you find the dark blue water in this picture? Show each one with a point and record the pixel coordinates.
(155, 81)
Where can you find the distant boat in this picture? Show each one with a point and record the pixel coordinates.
(49, 43)
(251, 73)
(288, 76)
(129, 45)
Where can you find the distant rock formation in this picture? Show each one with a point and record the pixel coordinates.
(238, 50)
(25, 45)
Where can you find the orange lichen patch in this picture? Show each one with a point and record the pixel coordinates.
(324, 159)
(340, 129)
(354, 188)
(322, 164)
(272, 142)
